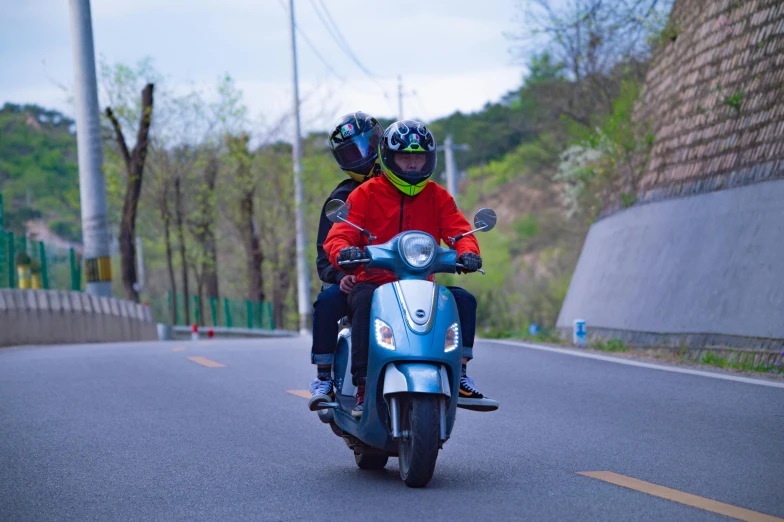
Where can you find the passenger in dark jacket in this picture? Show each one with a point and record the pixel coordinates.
(354, 144)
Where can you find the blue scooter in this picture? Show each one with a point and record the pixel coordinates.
(414, 360)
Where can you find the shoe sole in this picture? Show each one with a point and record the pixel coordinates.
(477, 404)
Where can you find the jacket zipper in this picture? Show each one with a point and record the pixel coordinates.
(402, 200)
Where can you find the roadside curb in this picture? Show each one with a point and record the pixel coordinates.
(715, 373)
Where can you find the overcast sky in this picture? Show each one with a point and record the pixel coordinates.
(453, 53)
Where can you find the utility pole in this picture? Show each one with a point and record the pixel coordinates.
(451, 170)
(92, 187)
(399, 97)
(140, 270)
(303, 277)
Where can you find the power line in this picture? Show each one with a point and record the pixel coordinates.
(313, 47)
(421, 104)
(337, 36)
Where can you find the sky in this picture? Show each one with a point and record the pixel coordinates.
(451, 54)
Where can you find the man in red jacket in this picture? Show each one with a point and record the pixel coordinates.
(402, 199)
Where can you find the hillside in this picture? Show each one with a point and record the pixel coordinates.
(39, 177)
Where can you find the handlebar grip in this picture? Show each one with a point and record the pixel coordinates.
(460, 265)
(358, 261)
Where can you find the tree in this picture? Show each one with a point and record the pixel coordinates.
(134, 166)
(244, 182)
(597, 43)
(202, 223)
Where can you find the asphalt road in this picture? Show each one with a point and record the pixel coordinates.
(141, 432)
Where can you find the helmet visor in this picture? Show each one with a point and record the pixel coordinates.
(359, 150)
(411, 167)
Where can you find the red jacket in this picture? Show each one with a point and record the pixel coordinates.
(384, 211)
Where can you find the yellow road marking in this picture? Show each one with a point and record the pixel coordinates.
(206, 362)
(305, 394)
(178, 349)
(681, 497)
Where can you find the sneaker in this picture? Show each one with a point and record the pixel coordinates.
(320, 391)
(322, 387)
(360, 407)
(471, 398)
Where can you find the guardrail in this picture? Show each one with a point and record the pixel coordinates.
(58, 317)
(205, 332)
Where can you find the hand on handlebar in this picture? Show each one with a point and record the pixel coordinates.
(350, 258)
(469, 262)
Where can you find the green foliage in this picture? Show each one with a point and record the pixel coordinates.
(740, 361)
(37, 163)
(611, 345)
(627, 200)
(527, 227)
(22, 258)
(668, 34)
(606, 163)
(735, 100)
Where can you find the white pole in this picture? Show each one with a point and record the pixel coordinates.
(92, 187)
(303, 277)
(451, 175)
(141, 275)
(399, 97)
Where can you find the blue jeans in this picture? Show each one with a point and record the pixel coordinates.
(331, 305)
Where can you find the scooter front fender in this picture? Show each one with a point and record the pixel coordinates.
(416, 377)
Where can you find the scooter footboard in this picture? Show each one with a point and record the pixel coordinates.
(416, 377)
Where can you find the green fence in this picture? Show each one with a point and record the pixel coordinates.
(33, 264)
(213, 312)
(27, 263)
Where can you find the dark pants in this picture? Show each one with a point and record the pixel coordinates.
(330, 307)
(359, 302)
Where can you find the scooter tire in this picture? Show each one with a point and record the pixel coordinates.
(418, 452)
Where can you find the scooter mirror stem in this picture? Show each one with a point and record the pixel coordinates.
(370, 236)
(455, 239)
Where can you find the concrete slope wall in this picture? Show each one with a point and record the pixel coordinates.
(706, 270)
(52, 317)
(700, 258)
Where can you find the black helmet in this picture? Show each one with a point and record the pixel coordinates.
(408, 137)
(354, 144)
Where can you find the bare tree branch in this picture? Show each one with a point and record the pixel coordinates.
(119, 137)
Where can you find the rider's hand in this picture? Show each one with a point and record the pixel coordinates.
(471, 262)
(350, 254)
(347, 283)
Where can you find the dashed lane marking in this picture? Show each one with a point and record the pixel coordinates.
(206, 362)
(674, 495)
(305, 394)
(179, 349)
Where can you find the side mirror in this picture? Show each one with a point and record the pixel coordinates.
(336, 211)
(484, 220)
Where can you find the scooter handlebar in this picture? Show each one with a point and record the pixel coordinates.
(460, 265)
(355, 261)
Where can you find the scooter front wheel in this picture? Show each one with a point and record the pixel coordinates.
(418, 448)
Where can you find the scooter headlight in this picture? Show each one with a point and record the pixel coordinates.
(452, 340)
(418, 249)
(384, 336)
